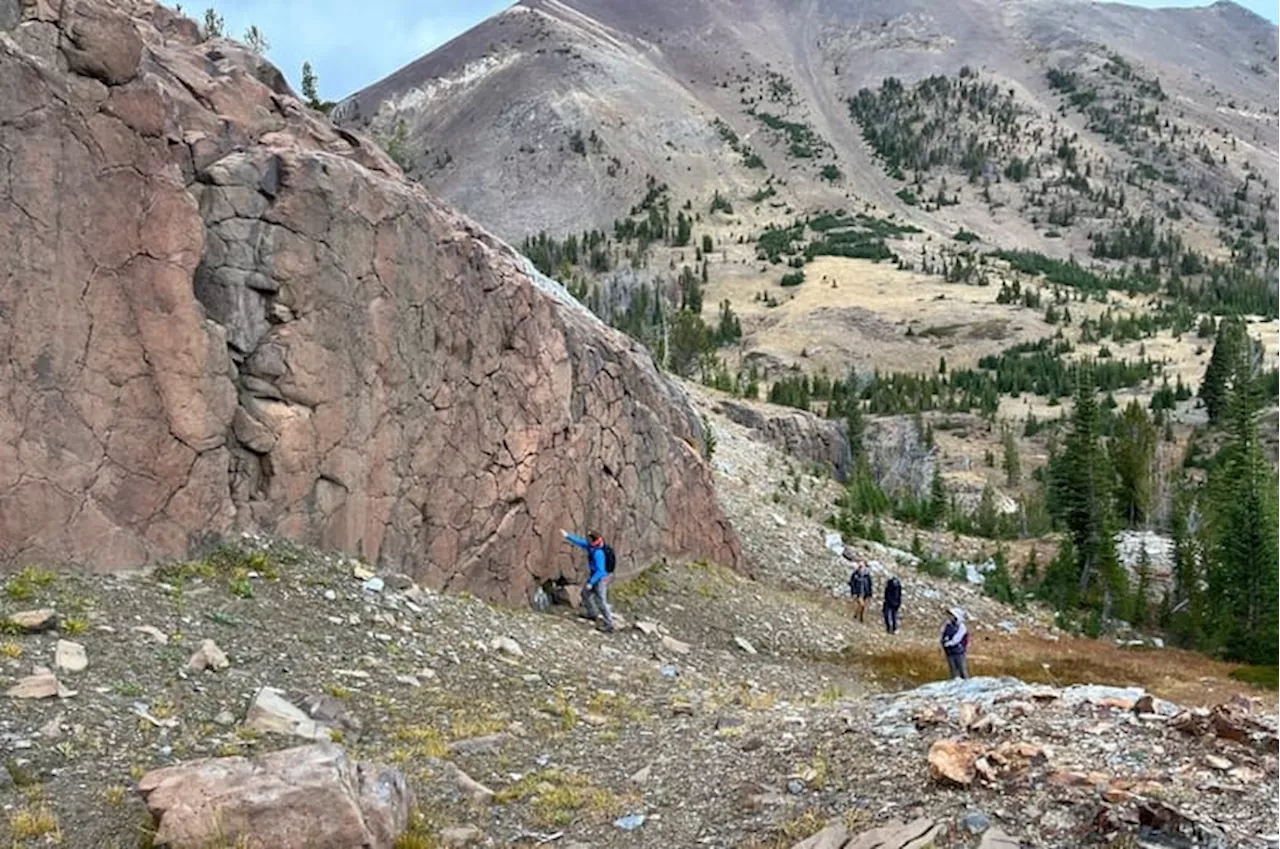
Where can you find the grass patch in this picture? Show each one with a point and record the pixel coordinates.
(1180, 676)
(421, 741)
(228, 563)
(75, 625)
(1266, 677)
(791, 831)
(647, 583)
(559, 798)
(26, 584)
(30, 822)
(10, 649)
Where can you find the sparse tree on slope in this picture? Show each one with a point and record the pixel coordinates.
(257, 40)
(309, 86)
(214, 25)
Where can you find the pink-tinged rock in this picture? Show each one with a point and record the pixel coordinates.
(229, 315)
(310, 797)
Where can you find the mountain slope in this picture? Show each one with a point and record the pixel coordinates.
(550, 115)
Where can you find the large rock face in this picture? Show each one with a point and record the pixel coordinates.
(221, 313)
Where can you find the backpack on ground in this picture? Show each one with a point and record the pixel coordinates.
(610, 559)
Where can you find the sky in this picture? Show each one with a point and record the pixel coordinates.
(352, 44)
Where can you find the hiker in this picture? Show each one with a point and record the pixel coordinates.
(892, 601)
(595, 593)
(955, 643)
(860, 589)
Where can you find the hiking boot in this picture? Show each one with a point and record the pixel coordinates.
(607, 628)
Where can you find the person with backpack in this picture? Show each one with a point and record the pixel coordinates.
(860, 589)
(601, 562)
(892, 601)
(955, 643)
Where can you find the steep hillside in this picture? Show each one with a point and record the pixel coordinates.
(221, 313)
(550, 115)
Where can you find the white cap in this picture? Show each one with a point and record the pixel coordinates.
(956, 612)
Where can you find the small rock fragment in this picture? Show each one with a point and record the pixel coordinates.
(153, 632)
(477, 792)
(671, 644)
(34, 620)
(42, 685)
(506, 645)
(70, 656)
(1218, 762)
(745, 645)
(630, 822)
(460, 836)
(646, 627)
(208, 656)
(976, 822)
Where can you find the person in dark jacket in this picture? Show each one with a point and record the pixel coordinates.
(892, 601)
(955, 643)
(860, 589)
(595, 593)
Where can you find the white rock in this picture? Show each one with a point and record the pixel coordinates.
(70, 656)
(272, 713)
(208, 656)
(506, 645)
(745, 645)
(153, 632)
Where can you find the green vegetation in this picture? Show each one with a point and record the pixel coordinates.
(917, 129)
(802, 141)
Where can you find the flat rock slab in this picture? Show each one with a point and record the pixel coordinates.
(917, 834)
(34, 620)
(272, 713)
(309, 797)
(70, 656)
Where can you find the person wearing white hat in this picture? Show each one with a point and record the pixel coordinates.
(955, 643)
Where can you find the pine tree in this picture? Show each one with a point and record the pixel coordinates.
(1216, 384)
(855, 425)
(1012, 465)
(1133, 451)
(1242, 532)
(257, 40)
(939, 499)
(309, 86)
(1082, 485)
(214, 26)
(1141, 602)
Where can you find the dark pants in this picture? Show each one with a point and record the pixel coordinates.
(957, 665)
(891, 619)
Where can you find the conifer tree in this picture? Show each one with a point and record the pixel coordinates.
(1133, 450)
(1241, 532)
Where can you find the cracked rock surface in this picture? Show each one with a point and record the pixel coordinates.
(222, 313)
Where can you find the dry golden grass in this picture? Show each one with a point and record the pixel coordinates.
(1179, 676)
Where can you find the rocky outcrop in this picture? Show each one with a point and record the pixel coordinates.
(802, 435)
(303, 798)
(222, 313)
(899, 460)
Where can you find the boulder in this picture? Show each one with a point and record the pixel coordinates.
(953, 761)
(229, 315)
(310, 797)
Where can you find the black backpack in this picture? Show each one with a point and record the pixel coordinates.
(610, 559)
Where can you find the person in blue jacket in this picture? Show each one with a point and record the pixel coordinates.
(595, 593)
